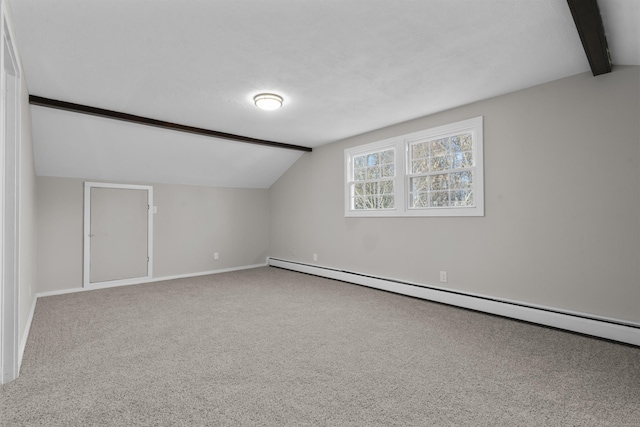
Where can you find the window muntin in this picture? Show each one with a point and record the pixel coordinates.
(372, 180)
(435, 172)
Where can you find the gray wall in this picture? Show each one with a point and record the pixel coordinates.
(562, 196)
(191, 224)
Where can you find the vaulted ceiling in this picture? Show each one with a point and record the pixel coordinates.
(343, 67)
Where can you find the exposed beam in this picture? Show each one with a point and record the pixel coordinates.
(586, 15)
(93, 111)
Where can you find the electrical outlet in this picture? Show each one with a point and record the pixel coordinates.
(315, 257)
(216, 255)
(443, 276)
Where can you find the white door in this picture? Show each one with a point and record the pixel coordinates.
(118, 228)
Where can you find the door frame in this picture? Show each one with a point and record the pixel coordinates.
(86, 281)
(10, 210)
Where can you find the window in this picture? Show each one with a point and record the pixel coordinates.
(435, 172)
(372, 185)
(441, 172)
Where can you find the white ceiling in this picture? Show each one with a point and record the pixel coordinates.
(81, 146)
(343, 67)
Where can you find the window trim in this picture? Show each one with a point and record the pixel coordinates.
(401, 180)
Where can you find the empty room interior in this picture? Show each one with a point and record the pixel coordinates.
(282, 212)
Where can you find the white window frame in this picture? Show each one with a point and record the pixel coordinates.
(401, 181)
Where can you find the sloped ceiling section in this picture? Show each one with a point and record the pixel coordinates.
(343, 67)
(76, 145)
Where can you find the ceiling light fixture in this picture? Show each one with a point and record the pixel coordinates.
(268, 101)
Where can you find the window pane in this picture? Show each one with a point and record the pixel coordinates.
(359, 174)
(462, 198)
(439, 198)
(420, 150)
(386, 201)
(371, 202)
(420, 166)
(442, 163)
(419, 200)
(439, 182)
(419, 184)
(455, 144)
(386, 187)
(372, 159)
(371, 188)
(462, 160)
(365, 202)
(373, 173)
(461, 179)
(387, 156)
(457, 160)
(388, 171)
(468, 159)
(439, 147)
(466, 142)
(358, 189)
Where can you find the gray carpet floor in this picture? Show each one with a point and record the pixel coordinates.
(271, 347)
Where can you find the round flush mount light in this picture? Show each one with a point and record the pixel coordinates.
(268, 101)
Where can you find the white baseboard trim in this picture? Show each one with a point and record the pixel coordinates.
(25, 335)
(205, 273)
(145, 280)
(612, 329)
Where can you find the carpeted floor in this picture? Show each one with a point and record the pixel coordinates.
(271, 347)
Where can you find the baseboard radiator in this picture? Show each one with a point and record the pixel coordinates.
(602, 327)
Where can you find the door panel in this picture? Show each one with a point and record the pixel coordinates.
(119, 239)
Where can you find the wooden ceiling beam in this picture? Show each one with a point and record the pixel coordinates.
(109, 114)
(588, 20)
